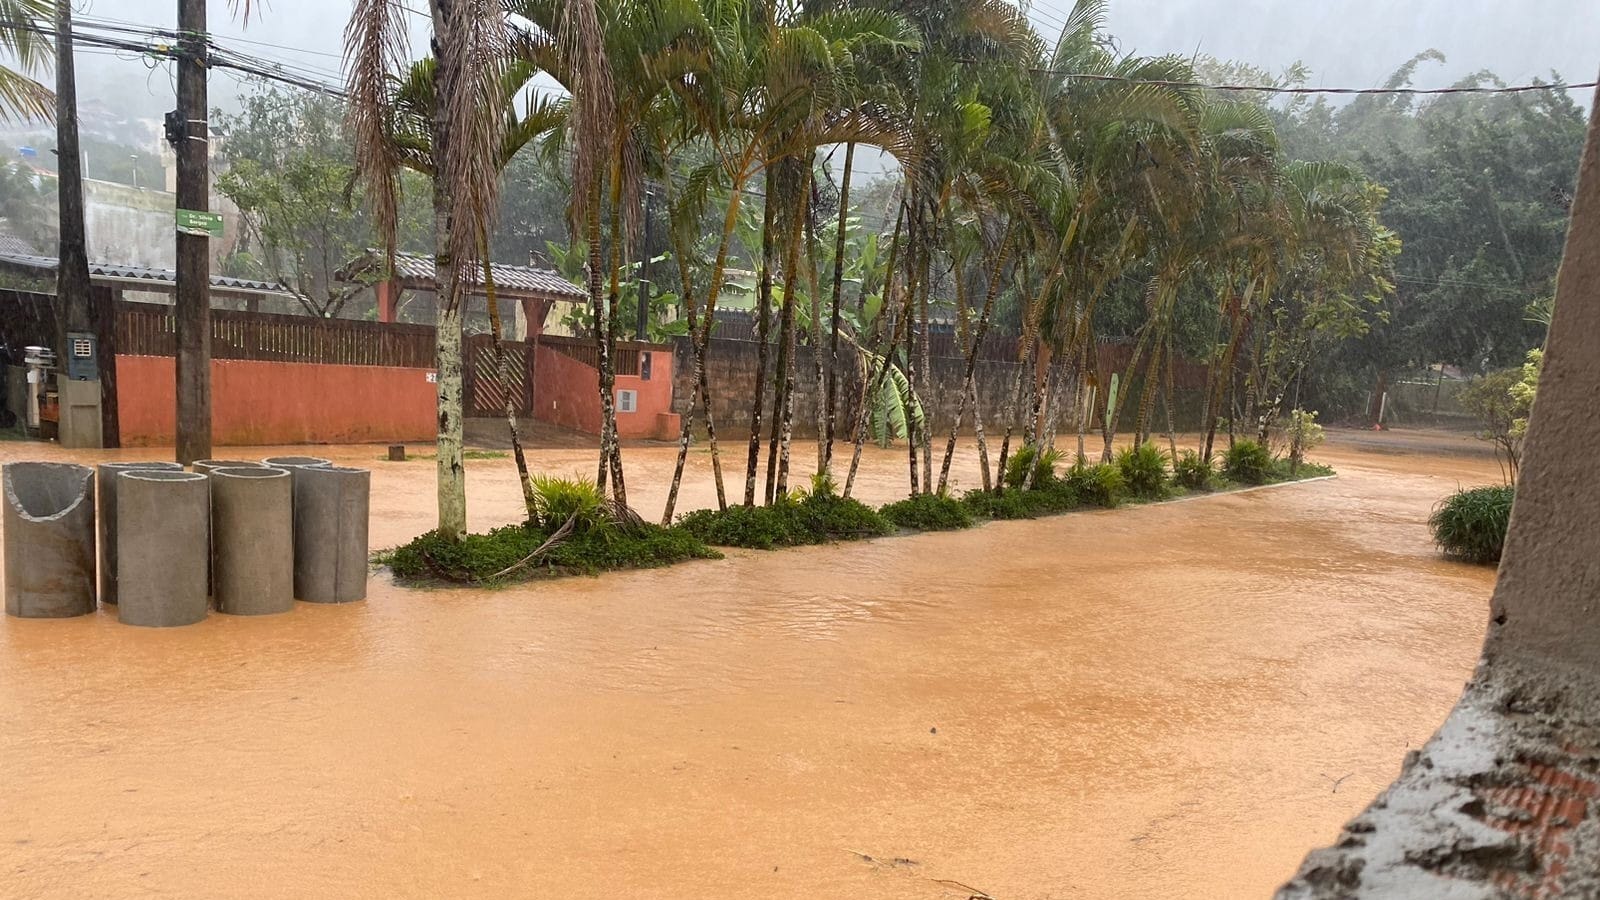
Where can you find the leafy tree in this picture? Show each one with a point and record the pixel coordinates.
(291, 173)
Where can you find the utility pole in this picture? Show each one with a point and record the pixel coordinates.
(72, 271)
(644, 271)
(187, 130)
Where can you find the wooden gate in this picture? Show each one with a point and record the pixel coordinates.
(486, 389)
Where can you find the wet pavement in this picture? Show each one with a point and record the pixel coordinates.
(1163, 701)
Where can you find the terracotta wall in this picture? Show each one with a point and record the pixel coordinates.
(566, 393)
(258, 403)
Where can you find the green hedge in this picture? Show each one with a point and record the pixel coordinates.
(816, 518)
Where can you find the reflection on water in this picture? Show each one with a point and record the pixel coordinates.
(1150, 702)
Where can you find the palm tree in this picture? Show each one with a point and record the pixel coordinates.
(621, 60)
(470, 41)
(411, 103)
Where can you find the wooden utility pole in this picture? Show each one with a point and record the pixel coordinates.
(72, 273)
(191, 139)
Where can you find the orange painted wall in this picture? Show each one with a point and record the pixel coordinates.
(566, 393)
(261, 403)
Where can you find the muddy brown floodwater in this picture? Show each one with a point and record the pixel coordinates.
(1164, 701)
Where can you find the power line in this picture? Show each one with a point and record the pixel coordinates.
(1276, 89)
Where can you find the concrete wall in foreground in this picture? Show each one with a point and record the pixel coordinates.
(261, 403)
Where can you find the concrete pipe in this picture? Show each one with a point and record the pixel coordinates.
(296, 462)
(252, 540)
(330, 533)
(106, 484)
(206, 466)
(163, 547)
(49, 540)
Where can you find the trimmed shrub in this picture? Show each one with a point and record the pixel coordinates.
(929, 512)
(1193, 471)
(1471, 525)
(814, 518)
(1044, 467)
(1099, 485)
(480, 558)
(756, 527)
(1248, 462)
(1009, 505)
(1144, 470)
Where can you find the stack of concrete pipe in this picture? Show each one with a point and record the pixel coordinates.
(253, 535)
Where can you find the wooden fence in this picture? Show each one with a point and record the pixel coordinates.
(149, 329)
(487, 388)
(583, 350)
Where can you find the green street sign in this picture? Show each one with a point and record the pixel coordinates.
(200, 224)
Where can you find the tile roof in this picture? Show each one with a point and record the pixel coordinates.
(416, 270)
(163, 277)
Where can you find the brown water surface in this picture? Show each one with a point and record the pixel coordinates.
(1164, 701)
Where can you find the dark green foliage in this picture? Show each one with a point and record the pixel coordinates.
(1192, 471)
(1248, 462)
(478, 558)
(929, 512)
(1471, 525)
(757, 527)
(814, 518)
(1281, 472)
(1044, 467)
(1144, 470)
(1099, 485)
(1009, 505)
(1056, 497)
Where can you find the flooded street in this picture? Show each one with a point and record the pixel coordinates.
(1172, 701)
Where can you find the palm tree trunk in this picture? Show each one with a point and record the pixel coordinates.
(613, 318)
(1046, 436)
(451, 473)
(1114, 415)
(1147, 393)
(969, 386)
(839, 245)
(699, 341)
(764, 292)
(925, 373)
(1167, 400)
(1025, 350)
(784, 415)
(1223, 382)
(919, 254)
(502, 364)
(869, 383)
(818, 359)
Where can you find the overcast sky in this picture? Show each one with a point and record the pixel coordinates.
(1346, 43)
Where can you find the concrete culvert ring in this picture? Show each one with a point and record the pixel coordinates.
(106, 484)
(331, 507)
(207, 466)
(252, 539)
(49, 540)
(297, 462)
(163, 547)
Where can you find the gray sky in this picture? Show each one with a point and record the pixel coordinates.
(1346, 43)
